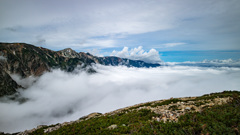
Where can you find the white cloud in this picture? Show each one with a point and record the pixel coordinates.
(69, 23)
(79, 21)
(95, 17)
(95, 52)
(59, 96)
(173, 44)
(25, 82)
(152, 56)
(209, 63)
(100, 43)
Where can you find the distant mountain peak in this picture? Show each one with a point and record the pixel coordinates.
(68, 52)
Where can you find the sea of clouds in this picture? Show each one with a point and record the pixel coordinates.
(59, 96)
(208, 63)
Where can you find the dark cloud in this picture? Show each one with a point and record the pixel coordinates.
(14, 29)
(40, 41)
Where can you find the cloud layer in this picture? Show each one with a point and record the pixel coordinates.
(203, 25)
(208, 63)
(173, 44)
(138, 54)
(59, 96)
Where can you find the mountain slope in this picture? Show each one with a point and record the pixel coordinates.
(28, 60)
(7, 85)
(217, 113)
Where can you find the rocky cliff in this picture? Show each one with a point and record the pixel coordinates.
(26, 60)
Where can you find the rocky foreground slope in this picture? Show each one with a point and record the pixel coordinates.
(29, 60)
(217, 113)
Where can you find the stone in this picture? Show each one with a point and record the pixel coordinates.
(65, 123)
(112, 126)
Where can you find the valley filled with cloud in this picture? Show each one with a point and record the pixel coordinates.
(58, 96)
(194, 43)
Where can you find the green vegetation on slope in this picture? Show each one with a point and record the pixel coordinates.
(220, 119)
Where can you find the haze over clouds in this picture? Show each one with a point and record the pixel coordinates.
(208, 63)
(173, 44)
(58, 96)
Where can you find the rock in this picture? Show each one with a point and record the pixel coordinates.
(112, 126)
(164, 119)
(92, 115)
(7, 85)
(41, 126)
(65, 123)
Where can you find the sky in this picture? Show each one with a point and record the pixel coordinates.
(197, 40)
(58, 96)
(102, 26)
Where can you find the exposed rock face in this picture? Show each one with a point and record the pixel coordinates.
(23, 59)
(26, 60)
(172, 111)
(7, 85)
(69, 53)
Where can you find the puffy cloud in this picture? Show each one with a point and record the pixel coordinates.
(58, 96)
(152, 56)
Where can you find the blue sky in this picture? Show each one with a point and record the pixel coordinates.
(101, 26)
(199, 56)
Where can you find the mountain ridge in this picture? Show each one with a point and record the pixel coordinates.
(29, 60)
